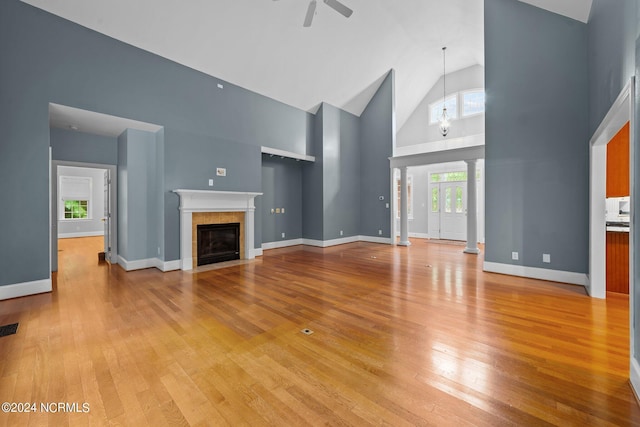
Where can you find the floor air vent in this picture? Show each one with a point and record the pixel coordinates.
(8, 329)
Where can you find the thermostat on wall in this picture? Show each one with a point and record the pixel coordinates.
(221, 171)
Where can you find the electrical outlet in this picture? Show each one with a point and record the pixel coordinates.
(283, 235)
(277, 210)
(281, 210)
(387, 205)
(273, 211)
(379, 232)
(514, 256)
(546, 258)
(341, 232)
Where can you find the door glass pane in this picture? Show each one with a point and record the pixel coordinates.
(434, 199)
(459, 200)
(447, 200)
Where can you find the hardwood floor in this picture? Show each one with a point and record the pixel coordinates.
(402, 336)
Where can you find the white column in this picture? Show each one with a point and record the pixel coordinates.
(392, 206)
(249, 244)
(404, 208)
(186, 257)
(472, 209)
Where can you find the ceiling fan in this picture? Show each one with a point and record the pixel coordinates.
(333, 4)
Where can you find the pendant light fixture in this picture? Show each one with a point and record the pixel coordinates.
(444, 118)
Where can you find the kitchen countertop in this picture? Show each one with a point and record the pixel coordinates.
(619, 227)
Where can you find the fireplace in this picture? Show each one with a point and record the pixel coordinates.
(218, 242)
(214, 207)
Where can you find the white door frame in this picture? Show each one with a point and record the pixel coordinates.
(621, 112)
(53, 190)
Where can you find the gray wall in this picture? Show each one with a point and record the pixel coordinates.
(341, 173)
(312, 185)
(537, 169)
(93, 225)
(377, 139)
(417, 129)
(282, 188)
(612, 32)
(331, 196)
(74, 146)
(203, 124)
(138, 192)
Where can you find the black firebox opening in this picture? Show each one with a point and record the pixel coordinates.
(218, 242)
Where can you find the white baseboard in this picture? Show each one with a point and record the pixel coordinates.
(322, 243)
(165, 266)
(537, 273)
(419, 235)
(138, 264)
(372, 239)
(258, 251)
(332, 242)
(80, 234)
(634, 376)
(23, 289)
(282, 244)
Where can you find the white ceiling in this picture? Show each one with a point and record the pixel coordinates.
(261, 45)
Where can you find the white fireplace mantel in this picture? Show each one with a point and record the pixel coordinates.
(214, 201)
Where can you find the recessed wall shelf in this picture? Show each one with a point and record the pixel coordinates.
(287, 154)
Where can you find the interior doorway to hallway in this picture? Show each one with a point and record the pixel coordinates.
(83, 206)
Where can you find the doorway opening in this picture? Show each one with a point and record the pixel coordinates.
(83, 206)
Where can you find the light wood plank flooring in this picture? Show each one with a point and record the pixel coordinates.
(402, 336)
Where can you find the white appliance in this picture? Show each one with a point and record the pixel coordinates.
(618, 209)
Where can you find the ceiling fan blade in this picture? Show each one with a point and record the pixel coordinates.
(310, 12)
(339, 7)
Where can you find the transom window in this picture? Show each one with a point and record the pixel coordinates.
(471, 102)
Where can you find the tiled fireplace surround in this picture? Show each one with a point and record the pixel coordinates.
(214, 207)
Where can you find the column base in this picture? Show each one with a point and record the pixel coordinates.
(474, 251)
(407, 243)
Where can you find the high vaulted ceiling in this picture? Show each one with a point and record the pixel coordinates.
(261, 45)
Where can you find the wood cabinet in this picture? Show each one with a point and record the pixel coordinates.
(618, 164)
(617, 262)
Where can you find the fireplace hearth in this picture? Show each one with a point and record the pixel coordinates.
(218, 243)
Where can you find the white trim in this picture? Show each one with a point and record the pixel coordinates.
(620, 112)
(288, 154)
(442, 145)
(332, 242)
(138, 264)
(419, 235)
(165, 266)
(17, 290)
(537, 273)
(446, 156)
(258, 251)
(80, 234)
(281, 244)
(634, 377)
(372, 239)
(324, 243)
(214, 201)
